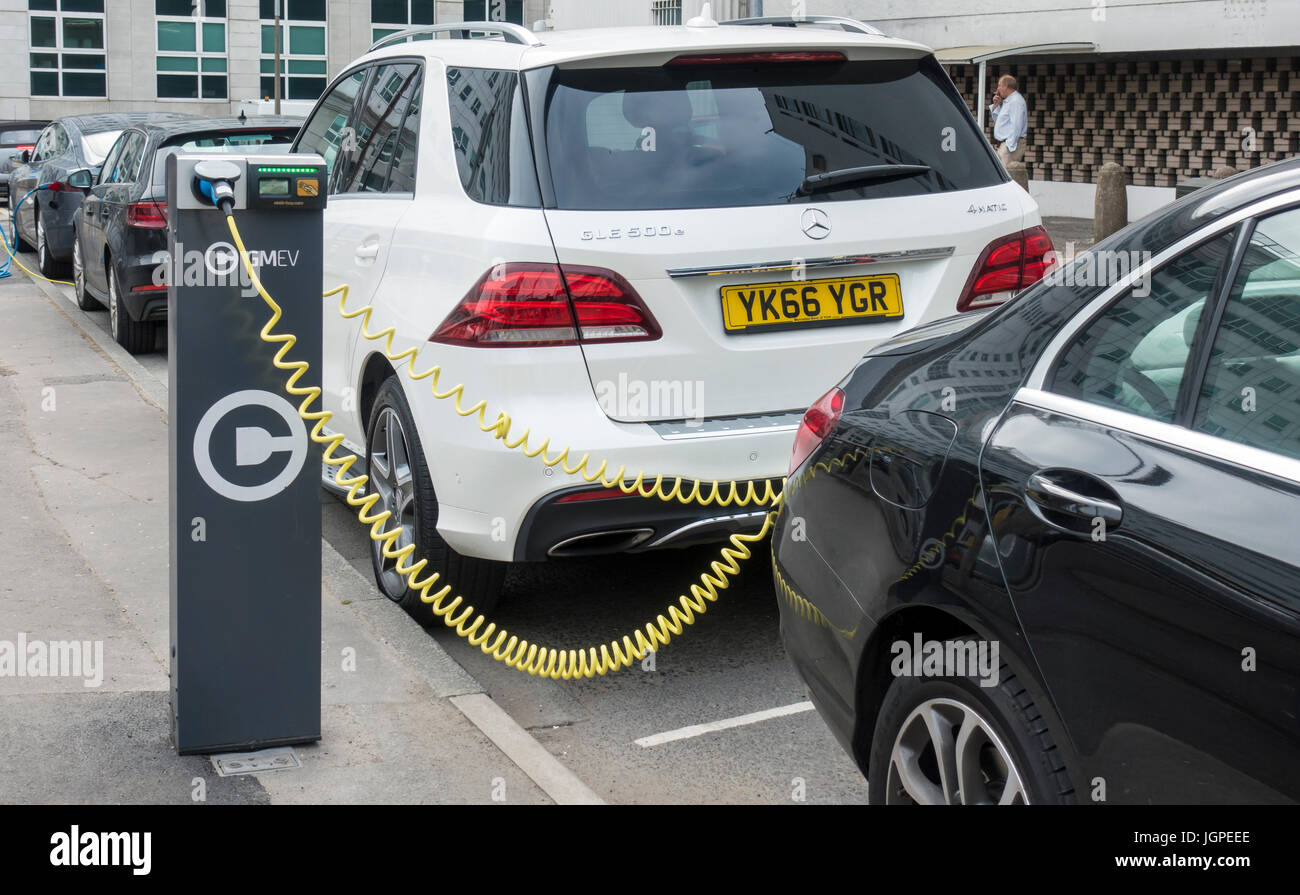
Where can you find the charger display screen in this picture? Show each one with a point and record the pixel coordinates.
(273, 186)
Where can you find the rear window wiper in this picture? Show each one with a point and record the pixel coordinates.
(820, 183)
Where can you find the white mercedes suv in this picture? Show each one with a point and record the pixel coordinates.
(658, 245)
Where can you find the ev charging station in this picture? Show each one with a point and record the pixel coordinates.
(244, 475)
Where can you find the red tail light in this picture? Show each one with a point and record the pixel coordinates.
(150, 215)
(25, 147)
(1007, 265)
(595, 494)
(817, 423)
(742, 58)
(527, 304)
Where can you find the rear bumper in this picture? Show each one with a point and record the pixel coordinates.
(497, 503)
(557, 527)
(142, 303)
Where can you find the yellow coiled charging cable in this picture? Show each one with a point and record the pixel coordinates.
(565, 664)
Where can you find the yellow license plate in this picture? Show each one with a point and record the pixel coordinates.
(809, 302)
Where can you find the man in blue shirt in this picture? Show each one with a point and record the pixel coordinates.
(1010, 121)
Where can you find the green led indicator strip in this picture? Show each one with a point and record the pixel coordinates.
(287, 170)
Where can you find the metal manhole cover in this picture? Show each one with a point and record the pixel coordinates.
(231, 764)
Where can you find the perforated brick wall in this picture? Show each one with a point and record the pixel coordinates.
(1163, 120)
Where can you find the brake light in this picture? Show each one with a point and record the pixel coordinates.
(742, 58)
(57, 186)
(527, 304)
(149, 215)
(25, 147)
(1007, 265)
(595, 494)
(816, 424)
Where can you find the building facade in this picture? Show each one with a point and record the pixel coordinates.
(67, 57)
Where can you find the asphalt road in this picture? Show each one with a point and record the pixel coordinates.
(728, 665)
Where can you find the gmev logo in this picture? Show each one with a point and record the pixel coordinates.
(77, 849)
(218, 265)
(946, 658)
(53, 658)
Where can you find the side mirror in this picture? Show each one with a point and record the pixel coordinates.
(27, 156)
(80, 179)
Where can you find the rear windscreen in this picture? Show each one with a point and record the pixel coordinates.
(17, 138)
(695, 136)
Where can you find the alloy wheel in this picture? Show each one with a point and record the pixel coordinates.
(392, 478)
(78, 273)
(42, 250)
(112, 303)
(946, 753)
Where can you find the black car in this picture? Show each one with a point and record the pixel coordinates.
(120, 238)
(1050, 554)
(16, 137)
(77, 141)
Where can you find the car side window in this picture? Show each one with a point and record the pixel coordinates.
(491, 153)
(39, 151)
(1134, 356)
(110, 161)
(1251, 391)
(58, 141)
(330, 132)
(124, 164)
(393, 93)
(406, 146)
(132, 156)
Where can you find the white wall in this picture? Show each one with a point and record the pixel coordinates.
(1078, 200)
(612, 13)
(1114, 25)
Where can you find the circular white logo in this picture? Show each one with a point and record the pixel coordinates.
(221, 259)
(253, 445)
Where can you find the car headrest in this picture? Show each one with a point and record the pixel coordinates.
(657, 109)
(1190, 323)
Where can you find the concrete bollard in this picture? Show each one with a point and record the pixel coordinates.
(1019, 172)
(1111, 211)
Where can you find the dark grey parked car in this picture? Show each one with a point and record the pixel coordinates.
(77, 141)
(16, 137)
(121, 229)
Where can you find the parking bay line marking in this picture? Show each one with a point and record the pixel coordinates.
(695, 730)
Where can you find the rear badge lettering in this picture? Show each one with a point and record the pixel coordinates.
(632, 232)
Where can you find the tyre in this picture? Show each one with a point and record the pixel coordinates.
(44, 260)
(399, 474)
(85, 300)
(136, 336)
(948, 740)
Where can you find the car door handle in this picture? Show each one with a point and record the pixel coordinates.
(1049, 494)
(368, 251)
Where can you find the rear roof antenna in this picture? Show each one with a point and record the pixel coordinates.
(704, 19)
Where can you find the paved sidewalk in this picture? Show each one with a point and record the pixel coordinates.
(1069, 230)
(83, 431)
